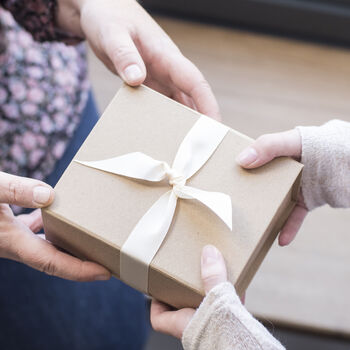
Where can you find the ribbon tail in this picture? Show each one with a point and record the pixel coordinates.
(217, 202)
(136, 165)
(145, 240)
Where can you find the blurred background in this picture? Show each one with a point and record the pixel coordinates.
(275, 64)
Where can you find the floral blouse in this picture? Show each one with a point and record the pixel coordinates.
(43, 88)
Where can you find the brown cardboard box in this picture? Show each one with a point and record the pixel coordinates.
(94, 211)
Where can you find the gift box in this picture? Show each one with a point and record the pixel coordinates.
(156, 181)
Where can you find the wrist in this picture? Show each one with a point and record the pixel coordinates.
(68, 16)
(324, 151)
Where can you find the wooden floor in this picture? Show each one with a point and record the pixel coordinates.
(265, 84)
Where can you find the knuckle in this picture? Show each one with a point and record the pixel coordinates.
(47, 264)
(200, 88)
(265, 144)
(49, 267)
(164, 44)
(16, 250)
(7, 245)
(6, 213)
(163, 52)
(211, 279)
(203, 83)
(155, 323)
(106, 32)
(81, 274)
(15, 191)
(10, 238)
(157, 50)
(263, 139)
(156, 327)
(120, 53)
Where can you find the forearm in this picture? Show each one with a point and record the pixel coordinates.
(223, 323)
(326, 159)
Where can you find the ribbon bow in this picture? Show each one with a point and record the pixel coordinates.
(147, 236)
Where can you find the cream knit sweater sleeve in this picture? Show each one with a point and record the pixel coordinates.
(326, 159)
(222, 322)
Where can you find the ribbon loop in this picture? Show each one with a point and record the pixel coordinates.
(147, 236)
(198, 146)
(136, 165)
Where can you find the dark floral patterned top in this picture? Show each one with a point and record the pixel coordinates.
(43, 88)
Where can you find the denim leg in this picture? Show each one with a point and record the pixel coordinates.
(41, 312)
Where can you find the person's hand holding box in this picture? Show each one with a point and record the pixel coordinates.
(325, 153)
(222, 322)
(262, 151)
(19, 242)
(130, 43)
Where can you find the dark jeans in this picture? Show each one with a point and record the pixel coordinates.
(40, 312)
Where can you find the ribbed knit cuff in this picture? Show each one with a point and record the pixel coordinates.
(326, 159)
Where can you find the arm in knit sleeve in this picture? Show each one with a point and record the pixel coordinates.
(223, 323)
(326, 159)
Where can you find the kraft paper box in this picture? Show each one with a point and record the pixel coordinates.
(95, 211)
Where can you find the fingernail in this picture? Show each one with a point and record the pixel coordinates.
(210, 255)
(102, 277)
(132, 73)
(41, 195)
(247, 157)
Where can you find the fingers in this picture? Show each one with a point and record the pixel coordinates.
(174, 322)
(186, 100)
(292, 225)
(270, 146)
(186, 77)
(43, 256)
(170, 322)
(213, 268)
(262, 151)
(24, 192)
(124, 55)
(33, 220)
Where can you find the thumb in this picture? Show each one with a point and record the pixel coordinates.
(41, 255)
(24, 192)
(213, 268)
(125, 57)
(270, 146)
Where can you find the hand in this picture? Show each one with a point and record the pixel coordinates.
(165, 320)
(262, 151)
(19, 242)
(129, 42)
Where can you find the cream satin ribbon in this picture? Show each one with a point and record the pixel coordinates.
(146, 238)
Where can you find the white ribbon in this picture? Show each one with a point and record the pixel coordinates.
(146, 238)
